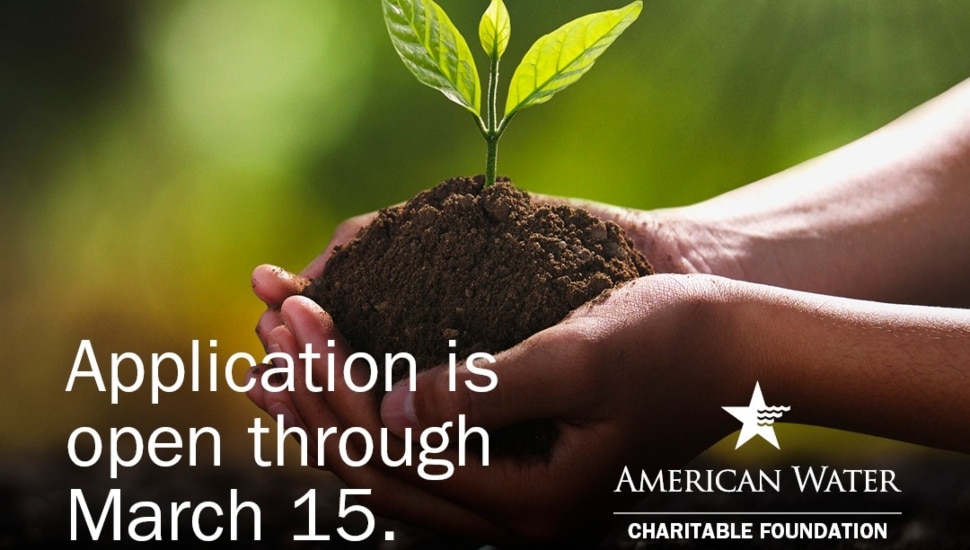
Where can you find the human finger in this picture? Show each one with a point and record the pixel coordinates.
(271, 331)
(277, 382)
(348, 385)
(273, 284)
(255, 392)
(550, 375)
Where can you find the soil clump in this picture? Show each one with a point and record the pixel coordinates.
(480, 268)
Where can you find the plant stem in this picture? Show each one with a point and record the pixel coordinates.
(492, 133)
(491, 158)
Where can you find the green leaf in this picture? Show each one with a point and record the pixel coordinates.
(433, 50)
(494, 29)
(563, 56)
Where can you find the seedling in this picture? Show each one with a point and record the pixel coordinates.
(434, 50)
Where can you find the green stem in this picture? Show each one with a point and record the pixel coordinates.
(492, 98)
(492, 133)
(491, 158)
(491, 141)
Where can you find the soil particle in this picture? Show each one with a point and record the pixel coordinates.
(484, 267)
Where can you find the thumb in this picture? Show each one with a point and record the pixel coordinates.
(539, 378)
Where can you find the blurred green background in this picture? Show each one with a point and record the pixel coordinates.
(152, 153)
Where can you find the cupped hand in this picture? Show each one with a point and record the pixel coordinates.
(273, 285)
(628, 381)
(615, 377)
(608, 386)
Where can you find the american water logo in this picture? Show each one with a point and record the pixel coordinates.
(807, 479)
(757, 418)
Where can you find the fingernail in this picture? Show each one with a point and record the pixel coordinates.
(277, 379)
(397, 410)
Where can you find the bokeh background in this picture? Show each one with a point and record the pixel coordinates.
(152, 153)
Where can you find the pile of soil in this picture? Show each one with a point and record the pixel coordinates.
(486, 267)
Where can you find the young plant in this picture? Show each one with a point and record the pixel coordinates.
(437, 54)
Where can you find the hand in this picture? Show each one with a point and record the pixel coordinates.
(273, 285)
(665, 237)
(624, 373)
(615, 378)
(638, 380)
(671, 239)
(290, 322)
(642, 366)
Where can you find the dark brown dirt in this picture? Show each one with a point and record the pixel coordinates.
(485, 267)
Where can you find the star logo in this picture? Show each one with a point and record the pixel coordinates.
(757, 419)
